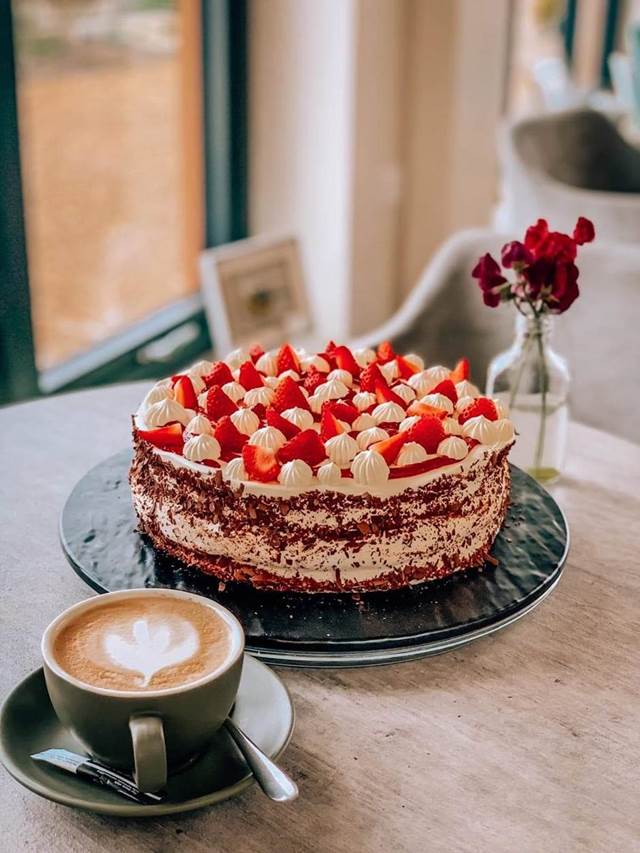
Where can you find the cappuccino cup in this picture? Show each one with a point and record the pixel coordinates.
(144, 677)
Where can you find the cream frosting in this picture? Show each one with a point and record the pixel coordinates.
(342, 376)
(268, 363)
(369, 436)
(480, 428)
(405, 392)
(269, 437)
(291, 374)
(502, 407)
(245, 421)
(200, 368)
(364, 356)
(341, 449)
(437, 374)
(201, 447)
(316, 361)
(296, 474)
(438, 401)
(258, 396)
(466, 389)
(165, 412)
(363, 421)
(463, 402)
(390, 371)
(453, 447)
(503, 431)
(411, 453)
(369, 468)
(199, 425)
(421, 383)
(235, 470)
(302, 418)
(234, 391)
(329, 474)
(271, 381)
(364, 400)
(236, 357)
(407, 423)
(156, 395)
(388, 413)
(415, 360)
(197, 382)
(451, 426)
(332, 389)
(315, 403)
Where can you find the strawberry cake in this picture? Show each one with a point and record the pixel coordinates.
(335, 471)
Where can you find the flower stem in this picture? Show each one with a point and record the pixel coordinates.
(542, 365)
(516, 385)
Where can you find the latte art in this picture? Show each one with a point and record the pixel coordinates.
(152, 647)
(145, 643)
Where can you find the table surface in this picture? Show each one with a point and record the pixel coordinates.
(527, 740)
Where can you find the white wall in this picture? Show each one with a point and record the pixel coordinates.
(301, 88)
(372, 137)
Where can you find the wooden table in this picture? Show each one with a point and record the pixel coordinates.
(527, 740)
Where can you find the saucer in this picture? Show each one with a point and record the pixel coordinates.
(28, 724)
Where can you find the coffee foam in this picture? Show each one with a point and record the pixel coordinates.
(145, 643)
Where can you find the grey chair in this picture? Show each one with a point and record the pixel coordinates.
(569, 164)
(444, 318)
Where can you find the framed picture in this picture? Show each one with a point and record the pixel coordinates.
(254, 292)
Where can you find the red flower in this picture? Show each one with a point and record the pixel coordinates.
(515, 253)
(564, 288)
(537, 275)
(491, 282)
(584, 232)
(536, 234)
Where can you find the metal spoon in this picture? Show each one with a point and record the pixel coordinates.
(274, 782)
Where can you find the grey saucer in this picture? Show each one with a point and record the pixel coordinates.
(28, 724)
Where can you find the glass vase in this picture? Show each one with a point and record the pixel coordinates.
(533, 380)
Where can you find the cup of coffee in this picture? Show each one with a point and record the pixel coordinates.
(144, 677)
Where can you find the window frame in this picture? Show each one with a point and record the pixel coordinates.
(125, 356)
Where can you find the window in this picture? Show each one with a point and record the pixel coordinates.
(124, 117)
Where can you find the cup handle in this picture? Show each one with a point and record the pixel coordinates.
(149, 752)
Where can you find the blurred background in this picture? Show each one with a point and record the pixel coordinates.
(136, 133)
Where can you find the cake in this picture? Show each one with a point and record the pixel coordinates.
(335, 471)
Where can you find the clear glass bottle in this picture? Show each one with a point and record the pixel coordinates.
(534, 382)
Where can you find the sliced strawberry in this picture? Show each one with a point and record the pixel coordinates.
(428, 432)
(255, 351)
(276, 420)
(384, 394)
(386, 352)
(219, 375)
(218, 404)
(405, 367)
(260, 463)
(287, 359)
(447, 388)
(329, 424)
(480, 406)
(288, 396)
(418, 408)
(313, 379)
(460, 371)
(184, 393)
(249, 377)
(390, 447)
(369, 376)
(344, 411)
(307, 445)
(166, 436)
(419, 467)
(231, 440)
(345, 360)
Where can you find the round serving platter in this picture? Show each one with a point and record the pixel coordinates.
(100, 540)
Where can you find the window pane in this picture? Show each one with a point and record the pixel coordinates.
(102, 117)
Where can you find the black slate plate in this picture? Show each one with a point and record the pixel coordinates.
(99, 538)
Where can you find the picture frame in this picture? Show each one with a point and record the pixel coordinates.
(254, 292)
